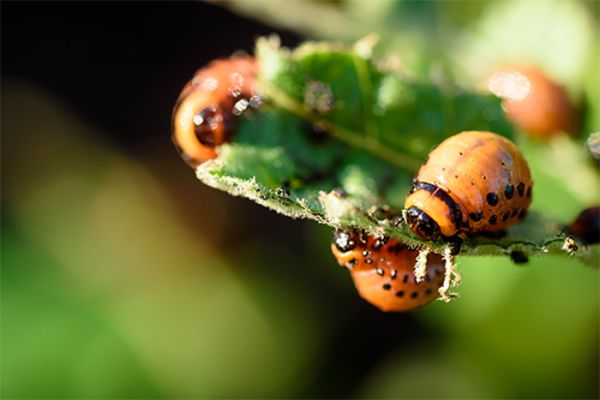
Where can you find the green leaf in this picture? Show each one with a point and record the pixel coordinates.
(338, 141)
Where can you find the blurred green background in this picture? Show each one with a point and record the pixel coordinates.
(124, 277)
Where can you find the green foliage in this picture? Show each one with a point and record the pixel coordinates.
(340, 140)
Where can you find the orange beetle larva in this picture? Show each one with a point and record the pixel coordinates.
(207, 107)
(383, 271)
(533, 101)
(472, 182)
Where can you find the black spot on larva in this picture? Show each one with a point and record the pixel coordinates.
(472, 183)
(398, 247)
(515, 211)
(509, 190)
(394, 274)
(493, 220)
(521, 189)
(460, 153)
(428, 292)
(368, 261)
(443, 168)
(366, 253)
(529, 191)
(505, 216)
(352, 263)
(484, 177)
(344, 241)
(405, 279)
(380, 271)
(492, 198)
(414, 295)
(387, 286)
(400, 293)
(456, 176)
(476, 216)
(518, 257)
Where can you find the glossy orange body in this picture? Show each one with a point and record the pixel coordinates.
(533, 101)
(383, 271)
(205, 113)
(474, 181)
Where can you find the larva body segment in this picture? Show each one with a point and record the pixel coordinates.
(383, 271)
(205, 113)
(472, 182)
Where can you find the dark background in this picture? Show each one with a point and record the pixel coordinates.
(120, 67)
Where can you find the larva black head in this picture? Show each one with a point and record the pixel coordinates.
(422, 224)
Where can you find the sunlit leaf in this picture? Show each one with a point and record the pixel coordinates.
(339, 141)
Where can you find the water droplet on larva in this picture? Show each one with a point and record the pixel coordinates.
(240, 106)
(198, 119)
(256, 101)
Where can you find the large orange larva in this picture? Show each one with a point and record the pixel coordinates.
(472, 182)
(383, 271)
(207, 107)
(533, 101)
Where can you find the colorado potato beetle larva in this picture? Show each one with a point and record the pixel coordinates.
(472, 182)
(205, 113)
(533, 101)
(383, 271)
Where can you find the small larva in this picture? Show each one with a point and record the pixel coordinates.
(533, 101)
(205, 113)
(383, 271)
(587, 226)
(472, 182)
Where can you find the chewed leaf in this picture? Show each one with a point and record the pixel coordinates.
(338, 141)
(396, 119)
